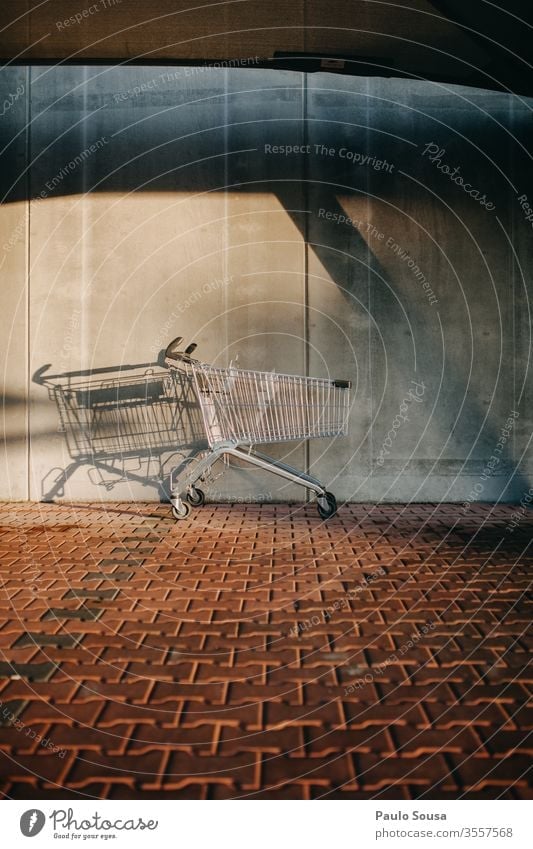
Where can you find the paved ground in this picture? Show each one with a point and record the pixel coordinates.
(254, 651)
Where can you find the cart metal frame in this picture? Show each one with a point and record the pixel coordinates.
(243, 408)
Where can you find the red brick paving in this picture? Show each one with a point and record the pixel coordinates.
(254, 651)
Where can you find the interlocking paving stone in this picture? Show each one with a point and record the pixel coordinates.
(64, 640)
(99, 594)
(254, 651)
(130, 561)
(108, 576)
(30, 671)
(84, 613)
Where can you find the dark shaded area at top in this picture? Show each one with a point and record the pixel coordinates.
(495, 39)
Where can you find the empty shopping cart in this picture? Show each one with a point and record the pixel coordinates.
(244, 408)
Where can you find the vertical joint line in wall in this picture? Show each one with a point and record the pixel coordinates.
(369, 282)
(307, 457)
(513, 270)
(27, 181)
(226, 210)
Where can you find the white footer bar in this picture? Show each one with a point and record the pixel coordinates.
(256, 824)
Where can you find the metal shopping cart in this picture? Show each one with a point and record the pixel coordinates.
(244, 408)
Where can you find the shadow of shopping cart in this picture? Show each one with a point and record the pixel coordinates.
(127, 422)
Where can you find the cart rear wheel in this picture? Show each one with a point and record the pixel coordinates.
(181, 510)
(196, 496)
(326, 505)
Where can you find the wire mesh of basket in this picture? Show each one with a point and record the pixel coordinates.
(253, 407)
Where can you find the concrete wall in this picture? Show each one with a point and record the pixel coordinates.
(143, 203)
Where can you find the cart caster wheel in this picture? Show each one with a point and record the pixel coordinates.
(181, 510)
(196, 497)
(326, 505)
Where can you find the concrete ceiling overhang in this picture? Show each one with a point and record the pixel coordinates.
(470, 42)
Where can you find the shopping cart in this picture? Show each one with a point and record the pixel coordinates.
(117, 419)
(244, 408)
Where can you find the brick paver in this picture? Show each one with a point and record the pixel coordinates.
(257, 652)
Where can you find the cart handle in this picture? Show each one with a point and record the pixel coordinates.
(181, 356)
(170, 352)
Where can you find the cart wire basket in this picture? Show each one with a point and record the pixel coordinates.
(243, 408)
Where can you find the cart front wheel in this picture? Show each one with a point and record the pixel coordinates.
(180, 510)
(326, 505)
(196, 497)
